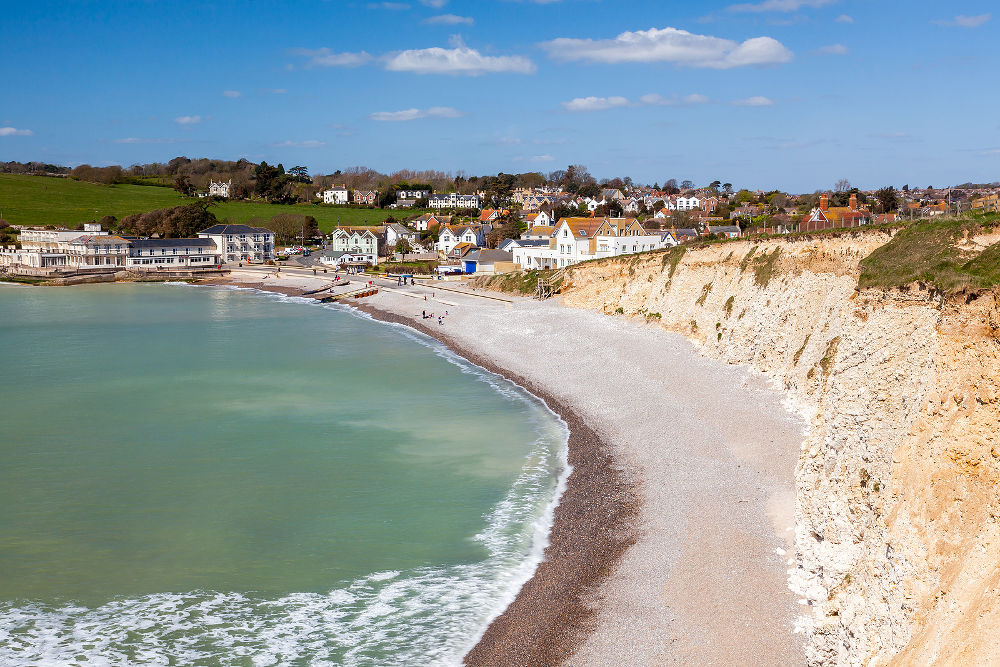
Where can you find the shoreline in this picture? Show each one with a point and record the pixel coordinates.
(594, 523)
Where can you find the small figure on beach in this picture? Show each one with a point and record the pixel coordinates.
(440, 320)
(423, 313)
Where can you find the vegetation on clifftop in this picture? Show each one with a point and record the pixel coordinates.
(945, 253)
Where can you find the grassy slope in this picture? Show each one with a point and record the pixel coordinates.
(928, 251)
(37, 200)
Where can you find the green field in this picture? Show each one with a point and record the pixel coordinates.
(40, 200)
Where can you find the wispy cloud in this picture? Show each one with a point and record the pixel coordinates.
(844, 18)
(14, 132)
(686, 101)
(436, 4)
(414, 114)
(187, 120)
(780, 5)
(324, 57)
(755, 101)
(392, 6)
(653, 99)
(833, 50)
(962, 21)
(449, 19)
(233, 94)
(460, 60)
(274, 91)
(595, 103)
(309, 143)
(672, 45)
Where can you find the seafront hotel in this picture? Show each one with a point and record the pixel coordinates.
(98, 249)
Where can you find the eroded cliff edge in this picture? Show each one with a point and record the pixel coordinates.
(897, 544)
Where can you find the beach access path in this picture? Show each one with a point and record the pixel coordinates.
(709, 449)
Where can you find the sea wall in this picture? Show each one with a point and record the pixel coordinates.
(897, 541)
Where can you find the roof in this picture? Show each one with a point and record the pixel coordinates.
(170, 243)
(488, 256)
(532, 243)
(234, 229)
(541, 230)
(582, 227)
(399, 229)
(723, 229)
(99, 239)
(357, 229)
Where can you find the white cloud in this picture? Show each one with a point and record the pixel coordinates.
(309, 143)
(541, 158)
(660, 101)
(436, 4)
(231, 93)
(187, 120)
(276, 91)
(595, 103)
(671, 45)
(414, 114)
(833, 49)
(394, 6)
(962, 21)
(449, 19)
(324, 57)
(780, 5)
(755, 101)
(844, 18)
(458, 60)
(14, 132)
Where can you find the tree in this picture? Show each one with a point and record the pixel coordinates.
(727, 188)
(403, 246)
(288, 227)
(843, 185)
(887, 199)
(714, 185)
(270, 181)
(183, 185)
(687, 184)
(300, 174)
(671, 187)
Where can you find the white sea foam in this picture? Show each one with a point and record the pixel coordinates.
(426, 616)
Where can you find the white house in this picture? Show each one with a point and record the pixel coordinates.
(451, 235)
(241, 243)
(358, 241)
(453, 200)
(541, 218)
(412, 194)
(682, 203)
(219, 189)
(577, 239)
(336, 194)
(394, 232)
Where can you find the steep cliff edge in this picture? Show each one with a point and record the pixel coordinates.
(897, 542)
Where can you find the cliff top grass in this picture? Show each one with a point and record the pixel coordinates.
(938, 252)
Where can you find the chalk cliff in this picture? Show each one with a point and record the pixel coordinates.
(897, 540)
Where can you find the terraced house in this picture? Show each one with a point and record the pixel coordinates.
(361, 243)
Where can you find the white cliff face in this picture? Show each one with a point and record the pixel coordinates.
(897, 503)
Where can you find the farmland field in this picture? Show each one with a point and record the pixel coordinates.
(40, 200)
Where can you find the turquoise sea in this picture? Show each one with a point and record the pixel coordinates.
(215, 476)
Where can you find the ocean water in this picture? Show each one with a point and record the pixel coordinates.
(215, 476)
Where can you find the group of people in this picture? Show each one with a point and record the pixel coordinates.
(430, 316)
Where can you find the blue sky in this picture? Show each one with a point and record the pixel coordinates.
(790, 94)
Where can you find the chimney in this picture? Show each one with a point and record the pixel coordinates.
(824, 202)
(854, 203)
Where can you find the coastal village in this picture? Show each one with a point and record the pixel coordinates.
(488, 231)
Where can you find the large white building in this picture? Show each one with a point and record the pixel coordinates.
(453, 200)
(451, 235)
(337, 194)
(241, 243)
(172, 253)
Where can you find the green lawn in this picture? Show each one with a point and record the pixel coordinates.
(40, 200)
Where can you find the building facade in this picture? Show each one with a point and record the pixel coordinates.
(241, 243)
(220, 189)
(454, 200)
(338, 194)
